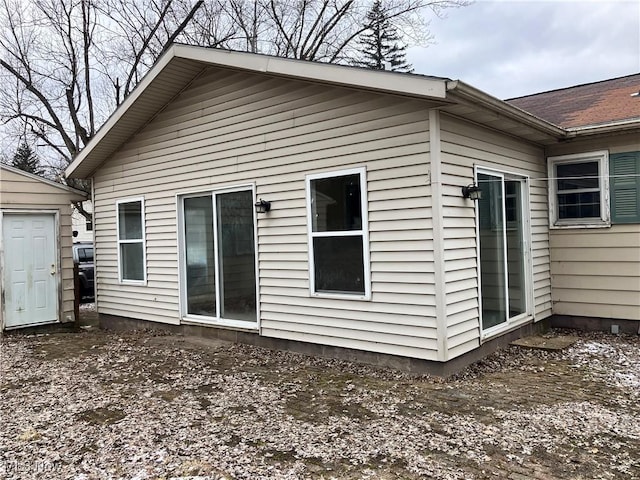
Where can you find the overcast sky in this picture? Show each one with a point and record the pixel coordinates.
(510, 48)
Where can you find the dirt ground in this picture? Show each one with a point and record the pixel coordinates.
(95, 405)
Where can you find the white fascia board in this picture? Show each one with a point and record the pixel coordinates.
(362, 78)
(465, 91)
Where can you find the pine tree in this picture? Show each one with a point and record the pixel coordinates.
(381, 43)
(26, 159)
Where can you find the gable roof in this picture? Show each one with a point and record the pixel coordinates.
(46, 181)
(610, 101)
(180, 65)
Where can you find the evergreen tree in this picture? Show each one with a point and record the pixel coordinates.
(381, 43)
(26, 159)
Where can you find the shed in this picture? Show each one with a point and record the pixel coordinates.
(35, 250)
(321, 208)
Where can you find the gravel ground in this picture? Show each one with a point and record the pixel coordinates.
(95, 405)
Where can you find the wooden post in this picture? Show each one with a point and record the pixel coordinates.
(76, 295)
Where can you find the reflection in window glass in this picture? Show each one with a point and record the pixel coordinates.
(577, 190)
(339, 264)
(85, 255)
(237, 256)
(130, 220)
(199, 256)
(131, 258)
(335, 204)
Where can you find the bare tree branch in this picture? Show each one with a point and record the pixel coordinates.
(45, 103)
(143, 48)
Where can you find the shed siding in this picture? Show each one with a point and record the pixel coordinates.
(232, 128)
(23, 193)
(596, 272)
(465, 145)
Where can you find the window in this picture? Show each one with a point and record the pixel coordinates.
(579, 190)
(131, 248)
(338, 235)
(85, 255)
(89, 225)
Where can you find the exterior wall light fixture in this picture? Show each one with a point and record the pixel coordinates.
(262, 206)
(472, 192)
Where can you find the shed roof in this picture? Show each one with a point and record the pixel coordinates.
(597, 103)
(42, 180)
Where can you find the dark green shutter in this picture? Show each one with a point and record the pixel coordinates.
(624, 169)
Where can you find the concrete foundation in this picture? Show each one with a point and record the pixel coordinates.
(591, 324)
(413, 365)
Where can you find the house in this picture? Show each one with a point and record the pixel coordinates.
(327, 209)
(595, 262)
(81, 226)
(37, 285)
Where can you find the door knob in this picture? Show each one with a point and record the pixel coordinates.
(53, 269)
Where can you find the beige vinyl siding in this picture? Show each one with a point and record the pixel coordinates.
(465, 145)
(23, 193)
(230, 129)
(596, 272)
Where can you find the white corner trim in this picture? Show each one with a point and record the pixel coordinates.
(438, 233)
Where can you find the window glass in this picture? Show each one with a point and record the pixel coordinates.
(237, 255)
(576, 176)
(339, 264)
(579, 205)
(335, 203)
(200, 256)
(130, 220)
(85, 254)
(132, 261)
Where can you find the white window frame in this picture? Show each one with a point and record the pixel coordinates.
(143, 240)
(602, 157)
(364, 232)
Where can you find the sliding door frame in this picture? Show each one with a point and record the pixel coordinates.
(528, 314)
(185, 316)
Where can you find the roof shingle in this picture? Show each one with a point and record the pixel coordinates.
(590, 104)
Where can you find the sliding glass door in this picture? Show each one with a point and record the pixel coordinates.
(218, 253)
(502, 237)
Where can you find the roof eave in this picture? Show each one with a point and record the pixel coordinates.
(373, 80)
(467, 92)
(117, 114)
(333, 74)
(621, 126)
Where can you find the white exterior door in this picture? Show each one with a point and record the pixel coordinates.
(30, 269)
